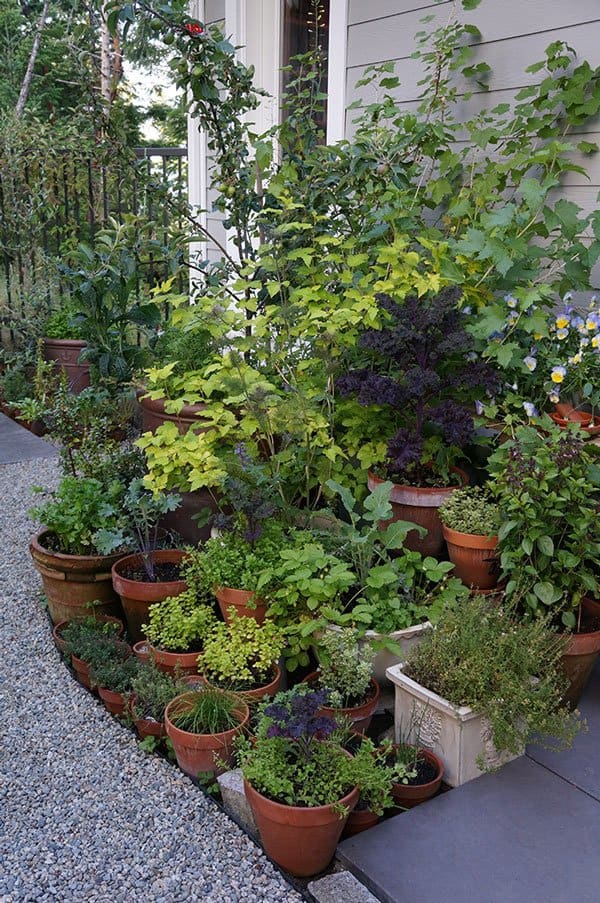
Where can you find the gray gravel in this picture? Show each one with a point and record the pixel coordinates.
(84, 814)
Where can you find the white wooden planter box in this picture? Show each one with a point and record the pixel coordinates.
(458, 735)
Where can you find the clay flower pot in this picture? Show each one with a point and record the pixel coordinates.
(170, 662)
(358, 821)
(207, 753)
(65, 353)
(82, 672)
(407, 796)
(239, 599)
(566, 413)
(255, 695)
(419, 505)
(141, 650)
(105, 619)
(72, 582)
(473, 557)
(580, 656)
(138, 595)
(116, 703)
(360, 716)
(302, 840)
(147, 727)
(154, 415)
(182, 521)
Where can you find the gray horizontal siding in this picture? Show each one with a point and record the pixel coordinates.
(214, 11)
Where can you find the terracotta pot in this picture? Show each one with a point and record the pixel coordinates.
(580, 656)
(255, 695)
(419, 505)
(569, 414)
(65, 353)
(147, 727)
(239, 599)
(141, 650)
(473, 558)
(301, 840)
(184, 662)
(181, 519)
(207, 753)
(138, 595)
(72, 582)
(82, 671)
(57, 631)
(360, 716)
(116, 703)
(407, 796)
(358, 821)
(154, 415)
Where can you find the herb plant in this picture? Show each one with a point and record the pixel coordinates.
(471, 510)
(153, 691)
(503, 667)
(90, 640)
(344, 667)
(180, 623)
(116, 673)
(241, 655)
(210, 711)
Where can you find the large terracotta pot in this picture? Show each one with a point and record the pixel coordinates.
(270, 689)
(407, 796)
(473, 557)
(207, 753)
(138, 595)
(65, 353)
(581, 654)
(360, 716)
(301, 840)
(170, 662)
(181, 519)
(154, 415)
(419, 505)
(72, 582)
(239, 599)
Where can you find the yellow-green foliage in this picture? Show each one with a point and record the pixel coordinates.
(179, 624)
(242, 653)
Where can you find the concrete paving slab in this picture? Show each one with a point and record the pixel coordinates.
(18, 444)
(521, 835)
(579, 765)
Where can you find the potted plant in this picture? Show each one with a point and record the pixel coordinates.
(73, 565)
(113, 678)
(63, 345)
(470, 521)
(88, 642)
(300, 787)
(152, 574)
(242, 657)
(480, 686)
(419, 368)
(237, 569)
(345, 676)
(417, 772)
(375, 782)
(202, 727)
(151, 692)
(549, 541)
(57, 631)
(177, 631)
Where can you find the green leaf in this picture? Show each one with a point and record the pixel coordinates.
(527, 545)
(547, 593)
(545, 545)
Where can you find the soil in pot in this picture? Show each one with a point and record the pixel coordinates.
(243, 601)
(300, 840)
(419, 505)
(582, 652)
(359, 714)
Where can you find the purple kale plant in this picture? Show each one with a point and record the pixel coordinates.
(421, 364)
(295, 716)
(250, 496)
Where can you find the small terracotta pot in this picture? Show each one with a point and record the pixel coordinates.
(72, 582)
(419, 505)
(65, 354)
(138, 595)
(170, 662)
(580, 656)
(255, 695)
(569, 414)
(146, 727)
(302, 840)
(207, 753)
(141, 650)
(473, 557)
(358, 821)
(82, 672)
(360, 716)
(239, 599)
(105, 619)
(116, 703)
(407, 796)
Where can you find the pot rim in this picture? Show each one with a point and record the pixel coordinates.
(174, 556)
(282, 808)
(469, 540)
(242, 709)
(36, 547)
(422, 496)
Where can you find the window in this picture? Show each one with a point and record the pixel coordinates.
(305, 27)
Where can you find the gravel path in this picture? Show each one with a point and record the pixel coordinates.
(86, 816)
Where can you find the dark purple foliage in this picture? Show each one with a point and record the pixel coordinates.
(296, 716)
(249, 491)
